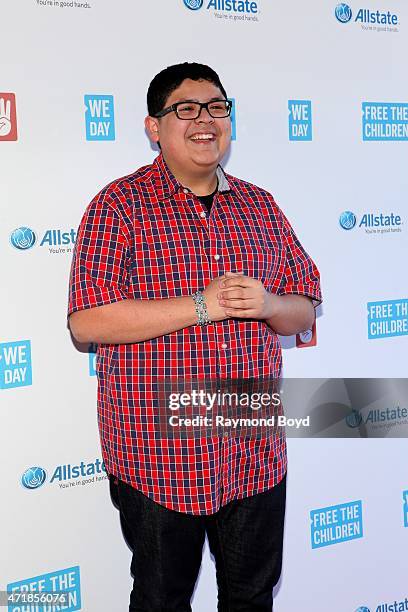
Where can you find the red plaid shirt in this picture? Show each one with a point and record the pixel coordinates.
(145, 237)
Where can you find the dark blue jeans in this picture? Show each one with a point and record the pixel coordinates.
(245, 537)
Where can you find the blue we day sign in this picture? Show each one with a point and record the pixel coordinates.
(300, 119)
(99, 117)
(15, 364)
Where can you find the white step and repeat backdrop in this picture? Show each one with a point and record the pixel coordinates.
(320, 120)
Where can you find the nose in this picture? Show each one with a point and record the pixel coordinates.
(204, 116)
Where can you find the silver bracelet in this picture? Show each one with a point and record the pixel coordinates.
(201, 308)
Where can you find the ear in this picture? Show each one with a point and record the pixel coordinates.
(152, 128)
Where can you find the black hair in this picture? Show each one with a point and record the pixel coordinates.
(166, 81)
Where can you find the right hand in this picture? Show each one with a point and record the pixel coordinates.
(215, 311)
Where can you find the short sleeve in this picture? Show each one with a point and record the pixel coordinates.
(100, 264)
(301, 275)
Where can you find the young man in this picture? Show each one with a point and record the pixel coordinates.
(181, 270)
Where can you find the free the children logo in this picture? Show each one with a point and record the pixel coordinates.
(38, 592)
(8, 117)
(387, 318)
(99, 117)
(384, 121)
(335, 524)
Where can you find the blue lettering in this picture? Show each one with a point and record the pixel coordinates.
(90, 469)
(57, 474)
(367, 16)
(47, 238)
(68, 471)
(56, 237)
(381, 220)
(359, 16)
(236, 6)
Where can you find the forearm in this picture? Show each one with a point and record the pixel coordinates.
(132, 320)
(291, 314)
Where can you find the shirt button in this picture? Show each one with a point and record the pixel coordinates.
(225, 434)
(186, 191)
(223, 345)
(216, 256)
(203, 214)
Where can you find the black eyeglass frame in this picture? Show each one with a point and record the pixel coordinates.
(173, 108)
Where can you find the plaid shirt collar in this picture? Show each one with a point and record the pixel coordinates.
(167, 185)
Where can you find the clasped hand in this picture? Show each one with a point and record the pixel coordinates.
(245, 297)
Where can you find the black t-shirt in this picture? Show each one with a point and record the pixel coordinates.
(207, 200)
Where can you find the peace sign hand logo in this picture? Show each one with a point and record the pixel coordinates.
(5, 113)
(8, 120)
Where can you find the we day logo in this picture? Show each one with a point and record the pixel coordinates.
(15, 364)
(300, 119)
(8, 117)
(99, 117)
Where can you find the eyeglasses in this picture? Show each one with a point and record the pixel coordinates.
(192, 110)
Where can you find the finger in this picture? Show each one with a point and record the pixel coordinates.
(233, 292)
(233, 275)
(1, 107)
(8, 109)
(238, 281)
(241, 313)
(237, 304)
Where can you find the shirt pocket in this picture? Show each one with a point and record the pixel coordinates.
(254, 247)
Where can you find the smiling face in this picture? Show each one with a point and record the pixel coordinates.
(191, 148)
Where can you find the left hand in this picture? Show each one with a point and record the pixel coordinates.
(245, 297)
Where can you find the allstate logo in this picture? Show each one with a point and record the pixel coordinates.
(354, 420)
(347, 220)
(194, 5)
(22, 238)
(362, 609)
(343, 13)
(33, 478)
